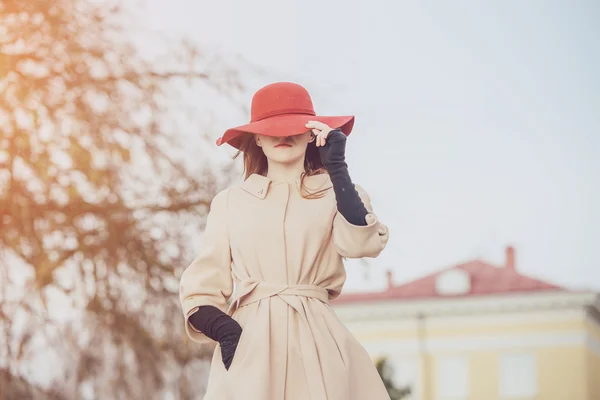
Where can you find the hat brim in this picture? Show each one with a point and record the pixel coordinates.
(283, 125)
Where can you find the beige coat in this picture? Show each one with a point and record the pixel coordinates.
(284, 253)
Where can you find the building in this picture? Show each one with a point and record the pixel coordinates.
(477, 331)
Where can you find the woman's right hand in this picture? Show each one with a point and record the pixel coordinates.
(220, 327)
(229, 342)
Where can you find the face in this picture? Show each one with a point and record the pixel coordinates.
(285, 150)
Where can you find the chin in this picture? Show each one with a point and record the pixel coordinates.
(284, 160)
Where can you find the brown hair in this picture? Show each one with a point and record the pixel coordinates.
(255, 162)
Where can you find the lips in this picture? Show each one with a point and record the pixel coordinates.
(283, 145)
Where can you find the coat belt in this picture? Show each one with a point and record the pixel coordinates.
(251, 291)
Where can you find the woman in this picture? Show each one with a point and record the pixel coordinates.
(281, 237)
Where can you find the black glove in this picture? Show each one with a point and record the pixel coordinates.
(219, 327)
(333, 156)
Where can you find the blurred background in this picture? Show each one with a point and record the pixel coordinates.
(477, 132)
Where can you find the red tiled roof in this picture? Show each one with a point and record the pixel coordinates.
(485, 279)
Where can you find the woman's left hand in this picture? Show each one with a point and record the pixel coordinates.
(320, 130)
(331, 143)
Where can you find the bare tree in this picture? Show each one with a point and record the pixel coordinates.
(97, 206)
(386, 372)
(15, 388)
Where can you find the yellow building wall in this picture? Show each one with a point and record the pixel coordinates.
(594, 376)
(561, 374)
(484, 372)
(593, 361)
(564, 372)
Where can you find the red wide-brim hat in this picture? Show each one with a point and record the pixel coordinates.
(282, 109)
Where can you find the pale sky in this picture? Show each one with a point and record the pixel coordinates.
(477, 122)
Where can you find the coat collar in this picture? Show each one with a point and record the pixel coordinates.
(258, 185)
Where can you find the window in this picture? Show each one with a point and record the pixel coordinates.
(452, 378)
(518, 375)
(453, 282)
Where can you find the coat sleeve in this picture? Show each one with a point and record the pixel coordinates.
(354, 241)
(207, 280)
